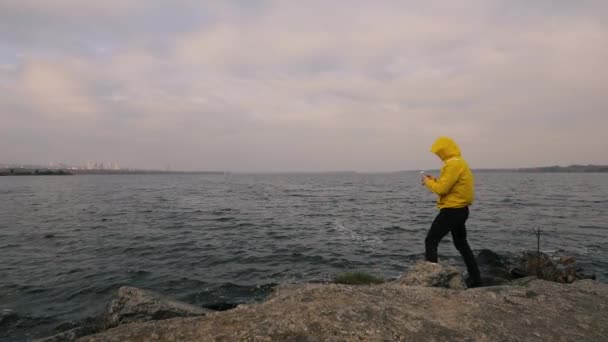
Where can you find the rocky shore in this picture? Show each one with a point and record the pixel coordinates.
(539, 311)
(429, 303)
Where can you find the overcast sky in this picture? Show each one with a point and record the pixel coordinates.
(255, 85)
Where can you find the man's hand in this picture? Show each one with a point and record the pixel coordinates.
(424, 178)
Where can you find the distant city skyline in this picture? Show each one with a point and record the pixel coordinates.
(90, 165)
(271, 86)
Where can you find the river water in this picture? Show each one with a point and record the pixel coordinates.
(218, 240)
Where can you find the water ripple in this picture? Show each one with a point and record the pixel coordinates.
(67, 243)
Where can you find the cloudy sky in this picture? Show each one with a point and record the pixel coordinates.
(263, 85)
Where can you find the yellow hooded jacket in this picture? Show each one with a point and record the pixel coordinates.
(455, 185)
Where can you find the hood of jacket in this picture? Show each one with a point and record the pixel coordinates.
(445, 148)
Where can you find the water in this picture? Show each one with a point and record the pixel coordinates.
(217, 240)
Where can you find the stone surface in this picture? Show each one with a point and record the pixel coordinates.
(430, 274)
(428, 303)
(131, 304)
(541, 311)
(501, 269)
(495, 269)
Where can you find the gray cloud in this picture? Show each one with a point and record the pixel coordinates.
(275, 85)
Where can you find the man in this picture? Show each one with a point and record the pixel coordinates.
(455, 190)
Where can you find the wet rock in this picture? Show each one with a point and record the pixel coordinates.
(431, 274)
(489, 258)
(494, 266)
(70, 331)
(131, 304)
(558, 269)
(394, 312)
(500, 269)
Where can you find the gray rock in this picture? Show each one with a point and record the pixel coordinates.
(542, 311)
(431, 274)
(131, 304)
(498, 269)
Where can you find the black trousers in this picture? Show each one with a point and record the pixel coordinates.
(452, 220)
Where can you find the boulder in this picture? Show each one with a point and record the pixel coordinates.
(431, 274)
(541, 311)
(131, 304)
(558, 269)
(500, 269)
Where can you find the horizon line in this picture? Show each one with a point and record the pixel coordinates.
(134, 170)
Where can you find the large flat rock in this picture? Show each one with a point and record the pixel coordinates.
(538, 311)
(132, 304)
(129, 305)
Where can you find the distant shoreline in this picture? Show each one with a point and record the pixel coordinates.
(554, 169)
(36, 173)
(144, 172)
(29, 172)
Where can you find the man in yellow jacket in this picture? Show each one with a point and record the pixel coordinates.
(455, 188)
